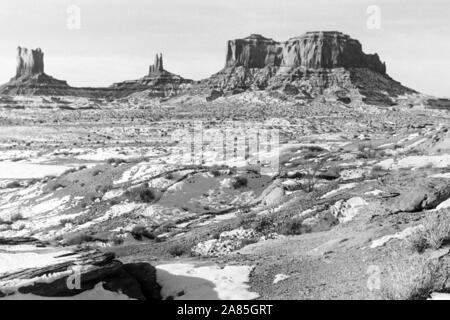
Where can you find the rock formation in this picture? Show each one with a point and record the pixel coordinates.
(158, 83)
(29, 62)
(157, 67)
(309, 64)
(135, 280)
(313, 50)
(30, 77)
(315, 63)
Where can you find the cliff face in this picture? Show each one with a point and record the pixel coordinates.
(311, 63)
(313, 50)
(30, 77)
(29, 62)
(157, 67)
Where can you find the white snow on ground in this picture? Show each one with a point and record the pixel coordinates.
(96, 293)
(185, 281)
(399, 235)
(112, 194)
(280, 277)
(443, 205)
(103, 154)
(19, 260)
(415, 144)
(20, 170)
(47, 206)
(118, 210)
(437, 161)
(341, 187)
(143, 171)
(439, 296)
(18, 154)
(442, 175)
(374, 193)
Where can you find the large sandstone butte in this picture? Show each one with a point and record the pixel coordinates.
(313, 50)
(30, 77)
(309, 64)
(158, 83)
(29, 62)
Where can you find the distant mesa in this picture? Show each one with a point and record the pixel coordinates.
(315, 63)
(312, 50)
(309, 64)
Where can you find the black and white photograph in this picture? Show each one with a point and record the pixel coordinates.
(239, 150)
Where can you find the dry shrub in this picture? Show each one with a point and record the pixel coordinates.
(435, 231)
(414, 278)
(293, 227)
(239, 182)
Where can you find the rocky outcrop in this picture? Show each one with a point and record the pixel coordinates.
(313, 50)
(158, 83)
(29, 62)
(157, 67)
(309, 64)
(135, 280)
(30, 77)
(312, 64)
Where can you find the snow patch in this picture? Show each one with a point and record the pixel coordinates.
(184, 281)
(21, 170)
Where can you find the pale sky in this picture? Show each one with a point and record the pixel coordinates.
(118, 39)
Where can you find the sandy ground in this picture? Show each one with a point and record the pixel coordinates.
(92, 177)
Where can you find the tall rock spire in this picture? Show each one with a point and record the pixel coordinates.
(29, 62)
(157, 66)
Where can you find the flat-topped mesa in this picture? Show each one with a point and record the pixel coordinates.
(29, 62)
(254, 51)
(313, 64)
(157, 67)
(312, 50)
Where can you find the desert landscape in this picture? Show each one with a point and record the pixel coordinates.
(301, 170)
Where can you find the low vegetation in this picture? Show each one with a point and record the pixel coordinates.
(142, 193)
(140, 232)
(293, 226)
(178, 249)
(239, 182)
(414, 278)
(434, 233)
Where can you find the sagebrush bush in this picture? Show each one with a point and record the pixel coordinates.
(434, 233)
(239, 182)
(139, 232)
(293, 227)
(115, 161)
(414, 278)
(142, 193)
(178, 249)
